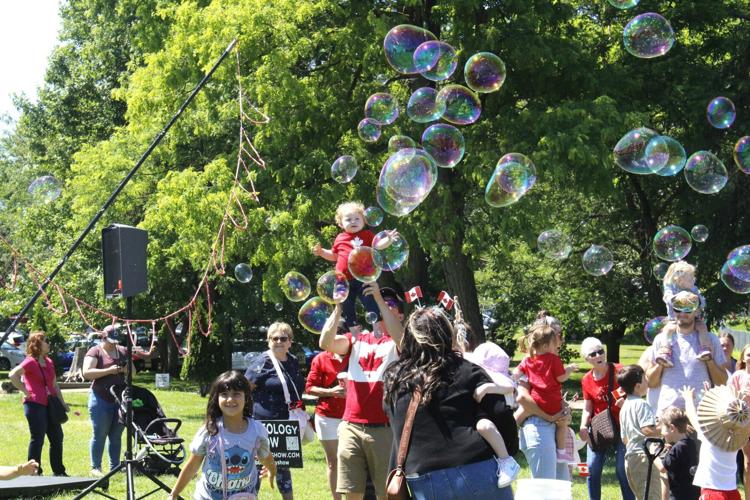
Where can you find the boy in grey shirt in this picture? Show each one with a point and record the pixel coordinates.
(637, 422)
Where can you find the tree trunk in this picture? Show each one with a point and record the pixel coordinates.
(459, 276)
(612, 341)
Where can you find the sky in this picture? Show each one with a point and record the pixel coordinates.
(28, 33)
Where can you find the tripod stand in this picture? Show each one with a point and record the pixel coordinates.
(131, 464)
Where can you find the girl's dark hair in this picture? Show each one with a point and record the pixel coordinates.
(231, 380)
(427, 358)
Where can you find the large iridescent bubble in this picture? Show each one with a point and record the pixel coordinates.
(705, 173)
(554, 244)
(423, 106)
(597, 260)
(333, 287)
(406, 179)
(397, 142)
(630, 151)
(444, 143)
(665, 156)
(435, 60)
(243, 272)
(742, 154)
(516, 173)
(313, 314)
(623, 4)
(295, 286)
(648, 35)
(381, 107)
(462, 106)
(368, 130)
(720, 112)
(393, 249)
(45, 188)
(733, 282)
(653, 327)
(401, 42)
(672, 243)
(373, 216)
(484, 72)
(344, 169)
(365, 264)
(495, 195)
(738, 261)
(699, 232)
(660, 270)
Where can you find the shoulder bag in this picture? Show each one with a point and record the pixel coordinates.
(299, 414)
(55, 406)
(395, 485)
(603, 430)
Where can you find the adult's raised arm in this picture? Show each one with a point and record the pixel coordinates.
(329, 340)
(392, 324)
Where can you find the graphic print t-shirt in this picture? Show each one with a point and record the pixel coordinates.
(345, 243)
(240, 451)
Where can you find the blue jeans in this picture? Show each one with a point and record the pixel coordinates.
(40, 425)
(537, 442)
(477, 480)
(349, 305)
(595, 461)
(105, 426)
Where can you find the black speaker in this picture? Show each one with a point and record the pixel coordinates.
(124, 258)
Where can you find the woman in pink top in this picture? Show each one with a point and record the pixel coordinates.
(39, 381)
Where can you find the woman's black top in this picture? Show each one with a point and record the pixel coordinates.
(444, 433)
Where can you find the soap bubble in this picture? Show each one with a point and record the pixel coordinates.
(721, 113)
(401, 42)
(623, 4)
(699, 233)
(392, 248)
(630, 151)
(665, 156)
(423, 106)
(368, 130)
(278, 306)
(344, 169)
(243, 273)
(597, 260)
(733, 282)
(554, 244)
(333, 287)
(435, 60)
(444, 143)
(373, 216)
(313, 314)
(495, 195)
(406, 179)
(365, 264)
(45, 188)
(653, 327)
(672, 243)
(484, 72)
(397, 142)
(705, 173)
(516, 173)
(381, 79)
(296, 286)
(382, 108)
(648, 35)
(462, 106)
(742, 154)
(738, 261)
(660, 270)
(371, 317)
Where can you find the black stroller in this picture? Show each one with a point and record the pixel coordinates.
(157, 445)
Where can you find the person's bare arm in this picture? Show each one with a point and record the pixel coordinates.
(269, 466)
(568, 370)
(392, 323)
(189, 469)
(717, 372)
(653, 375)
(650, 431)
(15, 379)
(329, 341)
(326, 253)
(484, 389)
(25, 469)
(92, 373)
(688, 394)
(588, 410)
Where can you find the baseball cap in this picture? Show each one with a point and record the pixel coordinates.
(392, 298)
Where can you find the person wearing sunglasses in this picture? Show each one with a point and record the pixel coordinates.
(597, 397)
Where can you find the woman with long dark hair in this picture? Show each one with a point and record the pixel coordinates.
(447, 458)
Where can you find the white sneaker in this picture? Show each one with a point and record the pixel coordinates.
(96, 473)
(507, 470)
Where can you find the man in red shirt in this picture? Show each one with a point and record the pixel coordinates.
(365, 437)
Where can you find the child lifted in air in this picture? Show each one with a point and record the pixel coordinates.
(350, 217)
(680, 277)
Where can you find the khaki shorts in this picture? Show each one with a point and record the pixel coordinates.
(362, 449)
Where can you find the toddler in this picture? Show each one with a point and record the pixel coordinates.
(681, 459)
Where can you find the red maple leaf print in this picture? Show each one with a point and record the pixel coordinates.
(371, 362)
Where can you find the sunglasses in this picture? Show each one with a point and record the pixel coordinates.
(279, 339)
(595, 353)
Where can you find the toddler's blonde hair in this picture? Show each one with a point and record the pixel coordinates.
(539, 335)
(677, 269)
(348, 207)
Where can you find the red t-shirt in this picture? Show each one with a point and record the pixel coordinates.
(596, 391)
(343, 245)
(542, 371)
(368, 358)
(323, 371)
(34, 381)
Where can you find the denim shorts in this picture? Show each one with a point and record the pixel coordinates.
(477, 481)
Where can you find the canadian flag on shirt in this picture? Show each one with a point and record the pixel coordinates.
(583, 469)
(413, 294)
(445, 300)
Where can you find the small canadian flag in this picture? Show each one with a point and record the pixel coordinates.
(414, 294)
(583, 469)
(445, 300)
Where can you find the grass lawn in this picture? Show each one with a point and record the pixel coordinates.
(310, 482)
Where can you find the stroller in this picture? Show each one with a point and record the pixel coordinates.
(157, 445)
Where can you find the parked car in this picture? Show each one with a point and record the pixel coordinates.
(10, 357)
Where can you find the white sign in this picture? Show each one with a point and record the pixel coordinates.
(162, 380)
